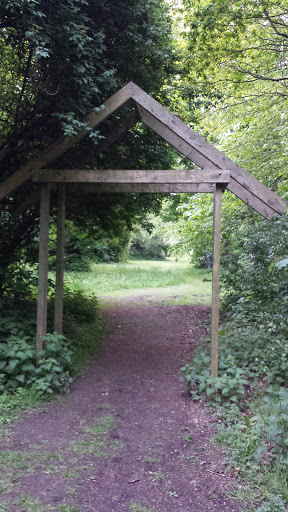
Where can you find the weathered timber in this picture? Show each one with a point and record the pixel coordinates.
(61, 145)
(135, 188)
(58, 315)
(254, 202)
(183, 147)
(209, 152)
(245, 186)
(132, 176)
(43, 267)
(175, 140)
(215, 280)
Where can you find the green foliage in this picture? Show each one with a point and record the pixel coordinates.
(17, 316)
(59, 63)
(274, 504)
(13, 403)
(61, 357)
(254, 349)
(79, 308)
(271, 425)
(18, 367)
(243, 45)
(249, 273)
(105, 278)
(228, 387)
(146, 246)
(90, 243)
(84, 327)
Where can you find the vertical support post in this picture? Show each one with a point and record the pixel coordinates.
(58, 316)
(43, 267)
(215, 278)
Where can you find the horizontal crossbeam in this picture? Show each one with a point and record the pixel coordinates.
(132, 176)
(135, 188)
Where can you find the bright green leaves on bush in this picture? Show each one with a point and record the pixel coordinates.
(18, 367)
(228, 387)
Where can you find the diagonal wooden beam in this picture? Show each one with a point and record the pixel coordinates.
(61, 145)
(210, 153)
(202, 161)
(195, 156)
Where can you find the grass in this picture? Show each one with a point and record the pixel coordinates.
(102, 426)
(165, 278)
(173, 282)
(29, 504)
(14, 465)
(103, 449)
(135, 507)
(99, 445)
(12, 404)
(263, 482)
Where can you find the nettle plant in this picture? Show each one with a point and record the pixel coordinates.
(18, 367)
(228, 387)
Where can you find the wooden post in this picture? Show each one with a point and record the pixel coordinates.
(215, 278)
(43, 267)
(58, 317)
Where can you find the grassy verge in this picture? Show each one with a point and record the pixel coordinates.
(84, 327)
(24, 384)
(174, 282)
(13, 404)
(254, 415)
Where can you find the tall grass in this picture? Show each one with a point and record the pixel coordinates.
(106, 279)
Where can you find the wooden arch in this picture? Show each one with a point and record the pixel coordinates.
(216, 173)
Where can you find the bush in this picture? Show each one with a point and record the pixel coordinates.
(228, 387)
(18, 367)
(146, 246)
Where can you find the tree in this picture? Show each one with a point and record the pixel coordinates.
(60, 60)
(238, 46)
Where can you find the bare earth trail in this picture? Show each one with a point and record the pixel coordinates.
(117, 441)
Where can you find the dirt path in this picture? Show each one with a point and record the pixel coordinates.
(117, 442)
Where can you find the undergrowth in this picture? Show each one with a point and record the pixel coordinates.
(105, 278)
(250, 398)
(250, 395)
(25, 384)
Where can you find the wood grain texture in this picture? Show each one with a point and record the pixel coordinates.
(215, 280)
(132, 176)
(135, 188)
(208, 151)
(175, 140)
(60, 247)
(172, 129)
(43, 267)
(64, 143)
(195, 156)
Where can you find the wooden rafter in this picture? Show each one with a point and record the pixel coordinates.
(64, 143)
(202, 153)
(136, 188)
(132, 176)
(172, 129)
(203, 162)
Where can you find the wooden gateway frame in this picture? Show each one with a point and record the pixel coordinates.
(217, 172)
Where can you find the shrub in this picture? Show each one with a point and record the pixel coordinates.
(18, 368)
(146, 246)
(229, 386)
